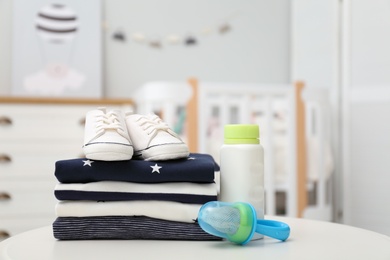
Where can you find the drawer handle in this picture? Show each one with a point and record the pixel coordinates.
(4, 234)
(5, 121)
(82, 121)
(5, 158)
(4, 196)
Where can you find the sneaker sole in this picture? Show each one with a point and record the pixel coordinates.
(164, 152)
(108, 151)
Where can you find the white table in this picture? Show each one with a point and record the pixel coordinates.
(309, 239)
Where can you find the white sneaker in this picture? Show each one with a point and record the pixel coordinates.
(106, 137)
(153, 140)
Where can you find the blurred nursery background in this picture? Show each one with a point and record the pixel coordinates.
(313, 75)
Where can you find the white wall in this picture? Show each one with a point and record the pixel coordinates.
(5, 46)
(255, 50)
(315, 59)
(344, 45)
(366, 110)
(315, 42)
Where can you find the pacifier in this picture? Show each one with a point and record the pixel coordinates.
(237, 222)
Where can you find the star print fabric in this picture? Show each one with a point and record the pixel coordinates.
(197, 168)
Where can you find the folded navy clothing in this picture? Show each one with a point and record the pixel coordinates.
(197, 167)
(126, 227)
(125, 196)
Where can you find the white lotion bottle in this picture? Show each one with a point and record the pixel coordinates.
(242, 166)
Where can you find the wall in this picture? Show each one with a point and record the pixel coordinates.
(315, 58)
(343, 45)
(366, 109)
(315, 42)
(5, 46)
(256, 49)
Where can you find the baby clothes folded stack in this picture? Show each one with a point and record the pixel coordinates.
(145, 198)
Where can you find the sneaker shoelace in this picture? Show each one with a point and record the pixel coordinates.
(109, 121)
(152, 124)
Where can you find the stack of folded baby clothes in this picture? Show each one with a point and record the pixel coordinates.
(138, 181)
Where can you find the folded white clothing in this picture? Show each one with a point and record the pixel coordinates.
(168, 210)
(186, 192)
(132, 187)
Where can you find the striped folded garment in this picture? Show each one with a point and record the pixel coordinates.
(126, 227)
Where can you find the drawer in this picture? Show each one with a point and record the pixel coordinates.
(31, 160)
(27, 199)
(49, 110)
(41, 124)
(14, 226)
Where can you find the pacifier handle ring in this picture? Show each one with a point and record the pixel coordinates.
(273, 228)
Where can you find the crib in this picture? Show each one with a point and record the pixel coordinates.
(294, 131)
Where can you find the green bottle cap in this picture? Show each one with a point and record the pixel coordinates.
(241, 134)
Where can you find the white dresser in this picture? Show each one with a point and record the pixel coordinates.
(34, 134)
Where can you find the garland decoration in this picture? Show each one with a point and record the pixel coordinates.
(192, 39)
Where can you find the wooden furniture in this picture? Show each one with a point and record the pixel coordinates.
(34, 134)
(301, 149)
(192, 121)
